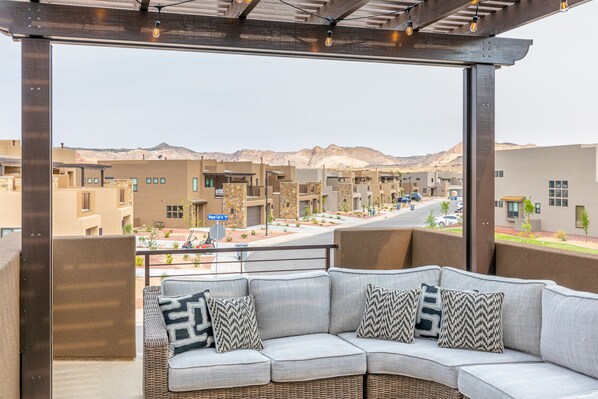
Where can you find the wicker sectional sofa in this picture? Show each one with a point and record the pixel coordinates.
(307, 323)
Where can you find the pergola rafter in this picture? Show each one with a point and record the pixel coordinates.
(427, 13)
(336, 9)
(143, 5)
(240, 10)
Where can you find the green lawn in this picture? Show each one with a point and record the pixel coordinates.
(521, 240)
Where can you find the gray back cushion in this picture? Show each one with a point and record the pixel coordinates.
(348, 291)
(570, 329)
(220, 287)
(290, 305)
(522, 306)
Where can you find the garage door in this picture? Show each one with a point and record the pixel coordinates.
(254, 215)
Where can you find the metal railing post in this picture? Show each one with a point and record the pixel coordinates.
(327, 258)
(147, 270)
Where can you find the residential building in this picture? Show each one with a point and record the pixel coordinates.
(560, 181)
(182, 193)
(292, 199)
(433, 184)
(337, 188)
(381, 187)
(78, 209)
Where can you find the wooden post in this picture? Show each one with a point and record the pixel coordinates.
(478, 165)
(36, 265)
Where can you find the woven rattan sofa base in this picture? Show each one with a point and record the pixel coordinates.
(382, 386)
(155, 370)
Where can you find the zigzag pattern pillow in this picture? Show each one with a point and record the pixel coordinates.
(235, 323)
(472, 321)
(187, 322)
(389, 314)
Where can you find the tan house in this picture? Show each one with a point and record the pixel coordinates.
(382, 187)
(561, 182)
(78, 209)
(293, 200)
(182, 193)
(433, 183)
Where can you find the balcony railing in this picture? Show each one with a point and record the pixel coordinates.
(241, 259)
(253, 191)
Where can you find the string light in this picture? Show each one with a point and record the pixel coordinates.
(156, 32)
(246, 1)
(564, 6)
(409, 30)
(331, 25)
(473, 26)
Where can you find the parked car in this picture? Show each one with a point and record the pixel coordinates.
(416, 196)
(459, 207)
(447, 220)
(405, 199)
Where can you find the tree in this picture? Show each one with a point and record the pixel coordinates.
(431, 221)
(585, 222)
(528, 209)
(444, 207)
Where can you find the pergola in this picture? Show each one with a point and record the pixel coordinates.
(364, 30)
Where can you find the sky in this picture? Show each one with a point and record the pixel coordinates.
(129, 98)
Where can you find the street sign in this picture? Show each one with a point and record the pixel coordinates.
(215, 216)
(217, 232)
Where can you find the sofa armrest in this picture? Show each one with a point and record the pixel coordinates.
(155, 347)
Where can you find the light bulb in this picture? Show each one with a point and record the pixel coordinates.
(409, 30)
(156, 32)
(239, 1)
(564, 5)
(473, 27)
(328, 41)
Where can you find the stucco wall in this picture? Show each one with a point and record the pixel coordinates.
(10, 249)
(432, 247)
(94, 297)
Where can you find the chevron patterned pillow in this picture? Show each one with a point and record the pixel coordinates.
(235, 323)
(389, 314)
(187, 322)
(471, 321)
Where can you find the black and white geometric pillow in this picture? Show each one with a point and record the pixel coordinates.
(472, 321)
(187, 322)
(389, 314)
(235, 323)
(429, 312)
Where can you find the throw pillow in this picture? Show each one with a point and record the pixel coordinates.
(429, 312)
(187, 322)
(389, 314)
(235, 323)
(471, 321)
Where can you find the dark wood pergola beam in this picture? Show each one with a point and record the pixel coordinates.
(130, 28)
(144, 6)
(514, 16)
(336, 9)
(240, 10)
(426, 13)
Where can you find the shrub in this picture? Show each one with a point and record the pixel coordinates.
(253, 232)
(297, 224)
(431, 221)
(561, 235)
(127, 229)
(229, 239)
(244, 236)
(167, 233)
(169, 259)
(164, 275)
(139, 261)
(338, 217)
(186, 257)
(175, 245)
(196, 260)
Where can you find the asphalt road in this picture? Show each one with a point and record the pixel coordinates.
(414, 218)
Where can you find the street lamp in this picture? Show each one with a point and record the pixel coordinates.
(267, 208)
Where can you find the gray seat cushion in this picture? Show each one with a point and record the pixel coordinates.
(423, 359)
(313, 357)
(207, 369)
(591, 395)
(522, 306)
(291, 305)
(523, 381)
(220, 287)
(348, 291)
(570, 329)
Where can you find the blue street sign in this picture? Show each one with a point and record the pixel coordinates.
(213, 216)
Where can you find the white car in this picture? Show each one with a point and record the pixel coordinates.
(447, 220)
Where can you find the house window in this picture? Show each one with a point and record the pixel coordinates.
(565, 193)
(538, 208)
(558, 202)
(551, 202)
(499, 173)
(135, 184)
(565, 184)
(148, 180)
(209, 182)
(565, 202)
(121, 196)
(96, 181)
(174, 211)
(86, 203)
(194, 184)
(498, 204)
(8, 230)
(513, 210)
(551, 184)
(155, 180)
(579, 210)
(89, 180)
(162, 180)
(558, 184)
